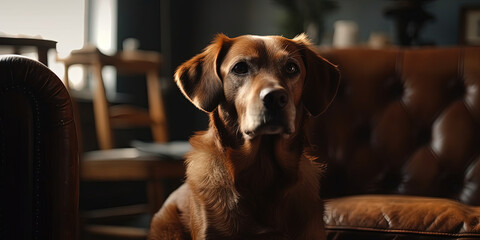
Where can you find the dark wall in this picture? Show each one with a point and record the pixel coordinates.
(139, 19)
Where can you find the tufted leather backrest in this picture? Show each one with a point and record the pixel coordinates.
(403, 122)
(38, 153)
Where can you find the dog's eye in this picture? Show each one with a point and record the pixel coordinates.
(291, 68)
(240, 68)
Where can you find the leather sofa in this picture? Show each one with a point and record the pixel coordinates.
(38, 153)
(402, 144)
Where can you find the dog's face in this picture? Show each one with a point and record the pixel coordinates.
(266, 80)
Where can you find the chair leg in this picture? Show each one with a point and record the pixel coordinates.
(156, 195)
(156, 108)
(102, 116)
(76, 110)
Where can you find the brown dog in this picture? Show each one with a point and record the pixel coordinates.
(248, 176)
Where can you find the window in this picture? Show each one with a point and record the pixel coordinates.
(58, 20)
(70, 23)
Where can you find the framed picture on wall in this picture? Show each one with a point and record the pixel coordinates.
(470, 26)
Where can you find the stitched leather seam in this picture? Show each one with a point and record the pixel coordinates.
(333, 228)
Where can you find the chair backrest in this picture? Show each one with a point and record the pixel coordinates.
(405, 121)
(38, 153)
(108, 117)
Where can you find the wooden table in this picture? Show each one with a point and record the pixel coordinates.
(42, 46)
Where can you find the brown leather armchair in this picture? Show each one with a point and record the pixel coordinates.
(38, 153)
(402, 144)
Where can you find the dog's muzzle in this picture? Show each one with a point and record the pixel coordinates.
(274, 99)
(273, 117)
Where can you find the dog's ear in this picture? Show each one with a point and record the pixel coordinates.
(321, 81)
(199, 78)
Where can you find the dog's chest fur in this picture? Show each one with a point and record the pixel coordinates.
(258, 182)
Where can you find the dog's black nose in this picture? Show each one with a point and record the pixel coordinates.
(274, 98)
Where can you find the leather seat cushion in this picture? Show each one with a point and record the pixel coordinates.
(398, 215)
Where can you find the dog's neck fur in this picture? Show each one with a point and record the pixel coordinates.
(261, 170)
(270, 154)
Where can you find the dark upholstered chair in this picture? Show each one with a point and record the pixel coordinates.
(402, 144)
(38, 153)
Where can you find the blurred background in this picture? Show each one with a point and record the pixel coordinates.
(179, 29)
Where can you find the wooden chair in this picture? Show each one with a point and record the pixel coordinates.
(123, 116)
(126, 164)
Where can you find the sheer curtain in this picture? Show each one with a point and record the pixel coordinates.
(102, 33)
